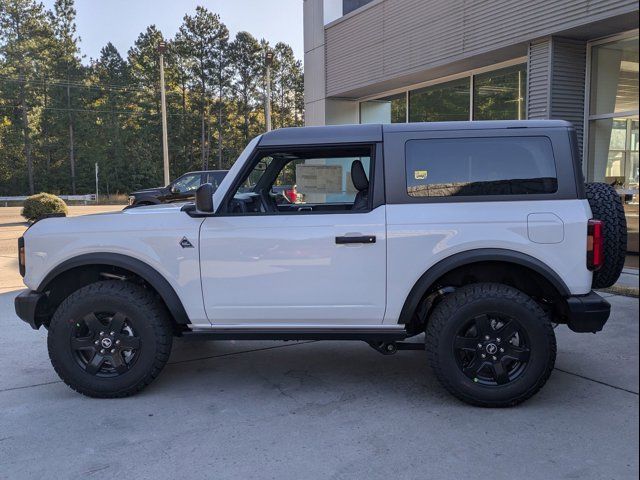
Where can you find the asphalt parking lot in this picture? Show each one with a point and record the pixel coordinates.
(300, 410)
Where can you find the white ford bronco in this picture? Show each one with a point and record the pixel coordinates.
(481, 235)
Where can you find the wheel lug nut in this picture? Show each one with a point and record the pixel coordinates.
(498, 339)
(483, 355)
(117, 342)
(502, 350)
(112, 333)
(113, 350)
(479, 345)
(494, 358)
(96, 342)
(102, 334)
(486, 337)
(102, 351)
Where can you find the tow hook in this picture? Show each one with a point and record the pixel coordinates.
(389, 348)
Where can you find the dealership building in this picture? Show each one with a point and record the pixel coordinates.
(393, 61)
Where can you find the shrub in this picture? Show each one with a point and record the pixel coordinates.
(37, 206)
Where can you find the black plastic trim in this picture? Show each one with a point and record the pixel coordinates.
(26, 305)
(21, 265)
(144, 271)
(587, 313)
(427, 280)
(366, 334)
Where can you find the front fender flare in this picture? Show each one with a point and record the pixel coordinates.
(140, 268)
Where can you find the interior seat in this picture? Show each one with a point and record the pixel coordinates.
(360, 181)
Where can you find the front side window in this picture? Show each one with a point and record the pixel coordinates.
(306, 181)
(447, 167)
(187, 183)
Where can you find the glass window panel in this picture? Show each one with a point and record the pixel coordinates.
(614, 77)
(500, 94)
(441, 103)
(480, 166)
(391, 109)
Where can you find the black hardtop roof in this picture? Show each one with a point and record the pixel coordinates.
(373, 132)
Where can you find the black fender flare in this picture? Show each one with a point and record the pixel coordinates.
(140, 268)
(426, 281)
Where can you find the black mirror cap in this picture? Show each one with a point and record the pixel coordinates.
(204, 198)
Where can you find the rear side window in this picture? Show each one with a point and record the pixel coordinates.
(446, 167)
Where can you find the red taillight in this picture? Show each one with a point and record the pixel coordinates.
(595, 251)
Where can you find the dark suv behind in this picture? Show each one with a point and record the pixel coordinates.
(182, 189)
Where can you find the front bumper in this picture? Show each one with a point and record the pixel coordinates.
(587, 313)
(26, 307)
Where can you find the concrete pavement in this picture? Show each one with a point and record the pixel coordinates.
(229, 410)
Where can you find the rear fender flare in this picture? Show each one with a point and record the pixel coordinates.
(428, 279)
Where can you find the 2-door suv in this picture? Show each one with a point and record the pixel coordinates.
(480, 235)
(182, 189)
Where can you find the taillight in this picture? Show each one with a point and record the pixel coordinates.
(595, 247)
(21, 256)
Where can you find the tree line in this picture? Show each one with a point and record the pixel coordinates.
(59, 116)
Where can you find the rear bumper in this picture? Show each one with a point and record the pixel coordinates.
(26, 304)
(587, 313)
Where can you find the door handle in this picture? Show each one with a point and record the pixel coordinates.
(361, 239)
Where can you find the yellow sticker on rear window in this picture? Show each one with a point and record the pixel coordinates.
(420, 174)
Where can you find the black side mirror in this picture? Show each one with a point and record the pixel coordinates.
(173, 189)
(204, 198)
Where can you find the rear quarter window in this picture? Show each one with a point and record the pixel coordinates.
(445, 167)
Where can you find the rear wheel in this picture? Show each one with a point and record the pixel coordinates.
(490, 345)
(109, 339)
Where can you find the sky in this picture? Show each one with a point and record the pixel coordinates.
(121, 21)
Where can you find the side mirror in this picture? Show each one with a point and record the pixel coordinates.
(204, 198)
(174, 189)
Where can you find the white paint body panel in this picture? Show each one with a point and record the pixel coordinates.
(421, 235)
(150, 234)
(270, 269)
(287, 269)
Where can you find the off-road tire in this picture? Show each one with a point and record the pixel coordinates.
(476, 299)
(606, 205)
(145, 312)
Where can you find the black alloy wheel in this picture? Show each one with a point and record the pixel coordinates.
(105, 343)
(492, 349)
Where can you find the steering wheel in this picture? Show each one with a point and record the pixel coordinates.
(267, 203)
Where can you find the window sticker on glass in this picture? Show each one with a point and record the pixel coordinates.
(420, 174)
(319, 178)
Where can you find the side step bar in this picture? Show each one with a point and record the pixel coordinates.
(367, 334)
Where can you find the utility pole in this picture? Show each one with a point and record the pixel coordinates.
(162, 47)
(268, 60)
(96, 182)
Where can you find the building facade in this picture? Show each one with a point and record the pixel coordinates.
(387, 61)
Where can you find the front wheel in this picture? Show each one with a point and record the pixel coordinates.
(490, 345)
(109, 339)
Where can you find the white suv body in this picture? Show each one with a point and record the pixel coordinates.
(303, 269)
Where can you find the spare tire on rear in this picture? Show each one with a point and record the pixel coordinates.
(606, 205)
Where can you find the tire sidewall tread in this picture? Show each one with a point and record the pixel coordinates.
(455, 309)
(150, 319)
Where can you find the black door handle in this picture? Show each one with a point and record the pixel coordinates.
(363, 239)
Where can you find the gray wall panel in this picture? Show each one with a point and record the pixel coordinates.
(399, 38)
(556, 81)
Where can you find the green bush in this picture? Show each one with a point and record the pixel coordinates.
(37, 206)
